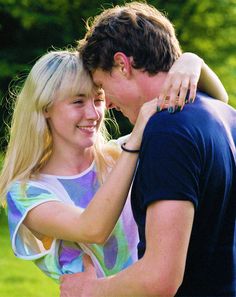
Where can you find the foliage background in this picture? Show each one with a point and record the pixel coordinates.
(29, 28)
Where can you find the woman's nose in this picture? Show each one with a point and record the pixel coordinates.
(92, 112)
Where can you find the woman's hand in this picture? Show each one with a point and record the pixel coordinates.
(146, 111)
(181, 82)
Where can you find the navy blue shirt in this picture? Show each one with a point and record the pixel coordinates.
(191, 156)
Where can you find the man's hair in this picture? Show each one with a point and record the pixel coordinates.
(138, 30)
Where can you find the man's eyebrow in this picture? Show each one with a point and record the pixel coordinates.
(97, 84)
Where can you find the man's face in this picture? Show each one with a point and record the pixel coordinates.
(120, 93)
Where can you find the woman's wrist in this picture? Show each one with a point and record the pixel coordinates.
(128, 149)
(133, 143)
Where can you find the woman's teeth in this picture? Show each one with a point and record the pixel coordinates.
(87, 128)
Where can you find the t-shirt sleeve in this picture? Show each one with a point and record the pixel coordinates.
(170, 167)
(20, 200)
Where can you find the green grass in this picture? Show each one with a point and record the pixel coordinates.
(20, 278)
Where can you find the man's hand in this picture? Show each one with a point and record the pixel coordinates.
(73, 285)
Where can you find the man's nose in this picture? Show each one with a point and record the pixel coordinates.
(109, 104)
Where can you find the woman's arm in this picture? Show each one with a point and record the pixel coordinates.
(210, 83)
(187, 73)
(96, 222)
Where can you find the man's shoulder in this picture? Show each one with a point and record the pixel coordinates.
(202, 120)
(194, 115)
(189, 122)
(164, 121)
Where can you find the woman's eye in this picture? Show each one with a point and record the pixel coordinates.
(78, 101)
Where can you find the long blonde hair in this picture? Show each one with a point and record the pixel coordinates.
(57, 73)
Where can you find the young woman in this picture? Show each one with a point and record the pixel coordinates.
(59, 206)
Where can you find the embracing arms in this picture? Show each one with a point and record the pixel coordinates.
(187, 73)
(58, 220)
(158, 273)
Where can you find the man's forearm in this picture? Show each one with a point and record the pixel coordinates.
(132, 282)
(143, 279)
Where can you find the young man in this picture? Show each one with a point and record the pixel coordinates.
(184, 191)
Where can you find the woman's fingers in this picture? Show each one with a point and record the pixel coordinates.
(193, 88)
(180, 85)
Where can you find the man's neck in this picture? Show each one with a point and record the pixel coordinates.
(151, 85)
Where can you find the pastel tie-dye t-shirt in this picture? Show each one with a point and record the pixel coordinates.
(60, 256)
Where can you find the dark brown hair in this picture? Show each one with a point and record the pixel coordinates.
(136, 29)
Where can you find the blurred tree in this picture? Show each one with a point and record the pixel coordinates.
(29, 28)
(207, 28)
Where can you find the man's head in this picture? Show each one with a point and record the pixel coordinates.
(138, 30)
(136, 38)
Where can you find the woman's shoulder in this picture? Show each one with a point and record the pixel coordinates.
(27, 188)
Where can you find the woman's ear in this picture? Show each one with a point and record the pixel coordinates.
(124, 63)
(46, 112)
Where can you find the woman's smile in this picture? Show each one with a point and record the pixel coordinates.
(89, 129)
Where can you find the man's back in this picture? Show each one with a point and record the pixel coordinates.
(191, 156)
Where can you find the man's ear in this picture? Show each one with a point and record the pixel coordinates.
(124, 63)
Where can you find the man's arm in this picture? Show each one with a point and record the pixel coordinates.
(159, 272)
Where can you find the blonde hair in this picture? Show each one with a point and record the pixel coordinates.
(55, 76)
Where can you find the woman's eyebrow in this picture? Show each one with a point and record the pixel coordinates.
(80, 95)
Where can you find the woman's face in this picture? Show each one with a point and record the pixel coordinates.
(74, 122)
